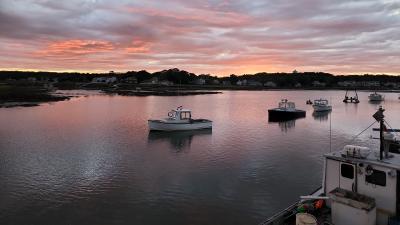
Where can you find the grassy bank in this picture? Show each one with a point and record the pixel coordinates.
(11, 96)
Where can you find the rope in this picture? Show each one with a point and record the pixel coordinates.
(362, 132)
(388, 125)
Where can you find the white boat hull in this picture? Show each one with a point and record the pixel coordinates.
(170, 126)
(318, 108)
(375, 98)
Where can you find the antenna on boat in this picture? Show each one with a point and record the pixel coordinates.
(330, 128)
(379, 117)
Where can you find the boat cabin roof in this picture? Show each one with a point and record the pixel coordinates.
(321, 100)
(393, 161)
(182, 110)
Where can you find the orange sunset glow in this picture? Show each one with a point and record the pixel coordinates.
(216, 37)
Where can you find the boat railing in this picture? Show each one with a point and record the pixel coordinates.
(281, 216)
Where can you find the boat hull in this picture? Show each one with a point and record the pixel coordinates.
(159, 125)
(282, 115)
(375, 98)
(318, 108)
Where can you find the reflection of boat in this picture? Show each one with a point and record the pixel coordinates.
(321, 105)
(285, 111)
(321, 116)
(359, 186)
(178, 139)
(375, 97)
(287, 125)
(348, 99)
(179, 119)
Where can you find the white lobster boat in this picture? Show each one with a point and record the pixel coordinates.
(375, 97)
(321, 105)
(179, 119)
(360, 186)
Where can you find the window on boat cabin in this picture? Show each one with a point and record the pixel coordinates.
(185, 115)
(377, 177)
(347, 170)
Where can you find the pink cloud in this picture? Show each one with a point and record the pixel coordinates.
(76, 47)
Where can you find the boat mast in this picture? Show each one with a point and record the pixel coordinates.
(379, 117)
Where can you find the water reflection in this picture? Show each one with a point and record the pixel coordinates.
(285, 125)
(180, 141)
(321, 116)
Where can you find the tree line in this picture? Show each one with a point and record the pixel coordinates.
(183, 77)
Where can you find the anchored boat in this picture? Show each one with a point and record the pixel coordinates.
(286, 111)
(359, 186)
(351, 99)
(375, 97)
(179, 119)
(321, 105)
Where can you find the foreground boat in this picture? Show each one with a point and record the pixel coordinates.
(179, 119)
(359, 186)
(375, 97)
(321, 105)
(286, 111)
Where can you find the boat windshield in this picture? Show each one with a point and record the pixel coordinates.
(321, 102)
(186, 115)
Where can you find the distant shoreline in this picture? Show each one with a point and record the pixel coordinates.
(29, 96)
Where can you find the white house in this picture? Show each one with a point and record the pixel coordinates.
(166, 83)
(297, 85)
(106, 80)
(318, 84)
(241, 82)
(270, 84)
(346, 83)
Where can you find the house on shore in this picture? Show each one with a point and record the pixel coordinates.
(152, 81)
(104, 80)
(318, 84)
(166, 83)
(130, 80)
(241, 82)
(270, 84)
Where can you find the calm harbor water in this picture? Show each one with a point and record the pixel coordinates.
(92, 160)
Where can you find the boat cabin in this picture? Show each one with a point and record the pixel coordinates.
(360, 170)
(180, 114)
(285, 104)
(321, 102)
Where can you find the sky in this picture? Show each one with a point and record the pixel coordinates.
(211, 37)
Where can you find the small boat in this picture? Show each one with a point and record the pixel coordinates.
(179, 119)
(354, 99)
(359, 186)
(375, 97)
(286, 111)
(321, 105)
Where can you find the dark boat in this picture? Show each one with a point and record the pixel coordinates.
(285, 111)
(354, 99)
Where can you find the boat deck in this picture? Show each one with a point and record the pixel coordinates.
(288, 216)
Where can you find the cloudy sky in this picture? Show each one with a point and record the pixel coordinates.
(217, 37)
